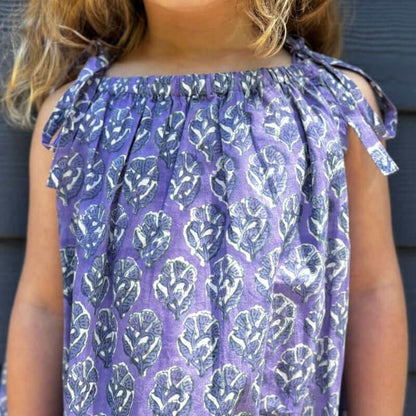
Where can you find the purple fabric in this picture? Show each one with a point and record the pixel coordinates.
(204, 236)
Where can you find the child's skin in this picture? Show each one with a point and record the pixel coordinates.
(210, 36)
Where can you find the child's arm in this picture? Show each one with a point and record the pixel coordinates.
(376, 345)
(34, 343)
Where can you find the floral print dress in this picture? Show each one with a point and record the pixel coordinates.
(204, 236)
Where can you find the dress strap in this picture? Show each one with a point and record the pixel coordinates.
(76, 97)
(354, 107)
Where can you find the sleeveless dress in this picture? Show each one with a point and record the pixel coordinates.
(204, 236)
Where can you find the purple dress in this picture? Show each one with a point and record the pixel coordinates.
(204, 236)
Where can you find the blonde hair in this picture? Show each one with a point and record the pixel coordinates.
(51, 40)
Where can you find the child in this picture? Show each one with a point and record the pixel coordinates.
(205, 236)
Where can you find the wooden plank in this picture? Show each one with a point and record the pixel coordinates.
(14, 144)
(410, 404)
(14, 185)
(379, 37)
(11, 260)
(402, 183)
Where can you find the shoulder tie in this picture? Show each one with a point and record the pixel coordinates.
(75, 101)
(354, 107)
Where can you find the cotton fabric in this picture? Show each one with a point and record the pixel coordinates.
(204, 236)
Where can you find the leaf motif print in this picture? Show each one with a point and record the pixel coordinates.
(94, 176)
(121, 85)
(224, 180)
(175, 286)
(199, 341)
(143, 131)
(126, 287)
(120, 390)
(185, 183)
(69, 262)
(256, 386)
(268, 174)
(282, 321)
(249, 82)
(313, 322)
(112, 177)
(225, 286)
(335, 169)
(289, 222)
(167, 137)
(172, 393)
(65, 364)
(191, 85)
(204, 132)
(104, 341)
(339, 315)
(317, 127)
(336, 264)
(76, 115)
(271, 405)
(3, 402)
(252, 88)
(303, 270)
(266, 274)
(327, 359)
(280, 124)
(249, 335)
(117, 128)
(160, 88)
(67, 176)
(236, 128)
(3, 387)
(318, 221)
(92, 123)
(152, 239)
(382, 161)
(142, 340)
(80, 324)
(204, 232)
(222, 394)
(223, 85)
(90, 228)
(164, 104)
(305, 174)
(294, 372)
(309, 406)
(300, 168)
(80, 388)
(250, 227)
(119, 221)
(332, 408)
(140, 182)
(344, 219)
(95, 283)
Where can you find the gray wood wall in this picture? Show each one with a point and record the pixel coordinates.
(379, 37)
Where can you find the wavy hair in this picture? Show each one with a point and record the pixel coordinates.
(51, 39)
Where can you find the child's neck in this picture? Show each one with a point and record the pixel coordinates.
(211, 37)
(186, 31)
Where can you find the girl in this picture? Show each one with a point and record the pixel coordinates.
(211, 251)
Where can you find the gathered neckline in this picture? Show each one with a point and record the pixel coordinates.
(206, 83)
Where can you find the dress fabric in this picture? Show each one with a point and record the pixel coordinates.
(204, 236)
